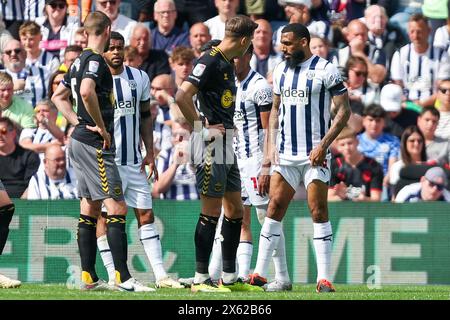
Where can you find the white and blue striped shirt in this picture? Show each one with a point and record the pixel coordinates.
(183, 186)
(252, 93)
(41, 187)
(304, 114)
(36, 83)
(417, 71)
(33, 9)
(12, 10)
(47, 60)
(131, 87)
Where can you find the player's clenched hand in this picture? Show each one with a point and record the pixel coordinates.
(317, 156)
(105, 135)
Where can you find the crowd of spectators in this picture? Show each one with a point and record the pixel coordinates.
(393, 55)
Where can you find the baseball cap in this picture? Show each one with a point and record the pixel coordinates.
(391, 97)
(437, 175)
(283, 3)
(53, 1)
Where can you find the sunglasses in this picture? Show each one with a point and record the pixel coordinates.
(16, 51)
(59, 5)
(438, 186)
(360, 73)
(444, 90)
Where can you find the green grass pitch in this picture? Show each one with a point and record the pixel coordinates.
(300, 292)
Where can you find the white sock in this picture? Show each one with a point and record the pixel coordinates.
(244, 258)
(268, 241)
(105, 253)
(149, 237)
(215, 263)
(229, 277)
(279, 260)
(261, 212)
(323, 242)
(200, 277)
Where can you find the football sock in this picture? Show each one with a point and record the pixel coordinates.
(323, 241)
(6, 214)
(261, 212)
(268, 242)
(215, 265)
(244, 258)
(105, 254)
(204, 238)
(200, 277)
(87, 245)
(231, 233)
(279, 260)
(117, 240)
(149, 237)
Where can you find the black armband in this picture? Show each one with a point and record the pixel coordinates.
(146, 114)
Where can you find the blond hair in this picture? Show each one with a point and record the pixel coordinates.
(96, 23)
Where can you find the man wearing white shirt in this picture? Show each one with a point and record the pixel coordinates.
(227, 9)
(414, 66)
(120, 23)
(54, 182)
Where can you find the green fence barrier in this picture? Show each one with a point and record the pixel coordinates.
(374, 243)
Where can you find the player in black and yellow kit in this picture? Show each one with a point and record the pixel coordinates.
(92, 152)
(218, 179)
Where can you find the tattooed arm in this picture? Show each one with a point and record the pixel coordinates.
(343, 111)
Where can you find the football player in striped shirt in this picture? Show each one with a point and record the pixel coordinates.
(299, 137)
(132, 122)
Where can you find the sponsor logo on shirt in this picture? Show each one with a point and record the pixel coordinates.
(227, 99)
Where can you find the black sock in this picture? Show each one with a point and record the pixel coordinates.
(117, 240)
(87, 244)
(231, 234)
(204, 239)
(6, 213)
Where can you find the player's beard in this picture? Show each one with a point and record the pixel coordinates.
(296, 58)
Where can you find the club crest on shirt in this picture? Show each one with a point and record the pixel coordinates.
(198, 70)
(132, 84)
(310, 75)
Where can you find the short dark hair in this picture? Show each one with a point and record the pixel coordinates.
(299, 30)
(73, 48)
(375, 111)
(117, 36)
(432, 110)
(417, 17)
(240, 26)
(9, 123)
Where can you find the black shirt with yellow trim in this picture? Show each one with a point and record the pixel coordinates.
(213, 75)
(91, 64)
